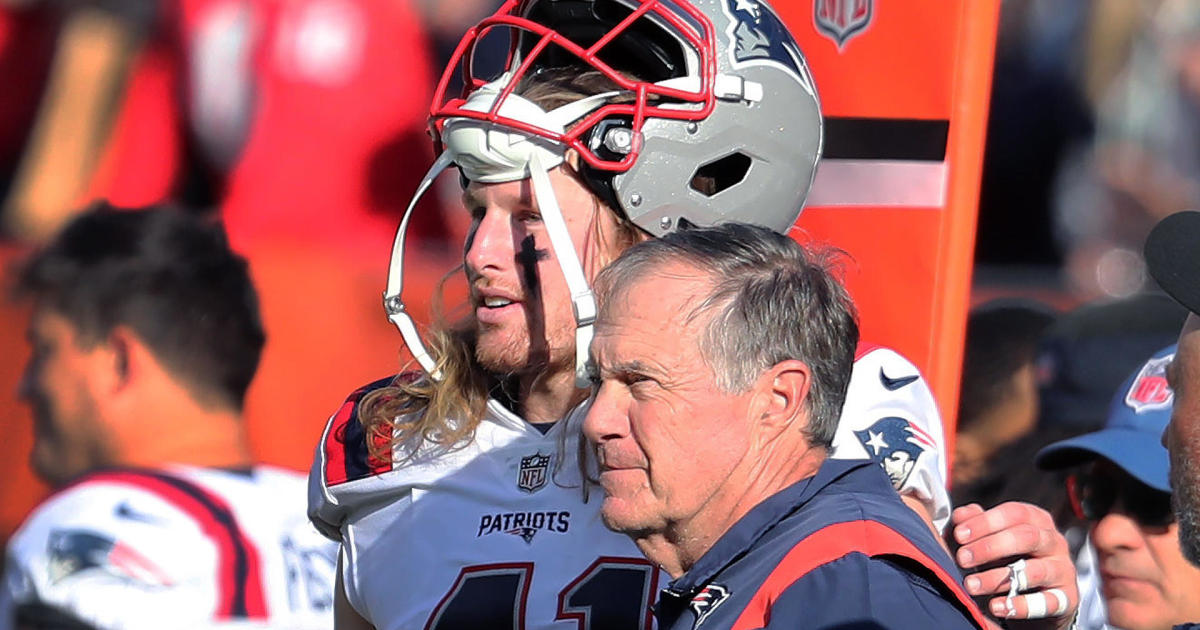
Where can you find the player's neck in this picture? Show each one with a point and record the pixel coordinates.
(172, 427)
(547, 397)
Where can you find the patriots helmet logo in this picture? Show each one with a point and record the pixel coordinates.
(75, 551)
(758, 36)
(706, 601)
(896, 444)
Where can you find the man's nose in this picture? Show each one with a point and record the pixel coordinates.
(606, 418)
(491, 243)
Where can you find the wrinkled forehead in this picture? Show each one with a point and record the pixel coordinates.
(673, 293)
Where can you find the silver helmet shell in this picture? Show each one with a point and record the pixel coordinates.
(721, 120)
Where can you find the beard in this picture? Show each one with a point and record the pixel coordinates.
(504, 354)
(518, 351)
(1185, 497)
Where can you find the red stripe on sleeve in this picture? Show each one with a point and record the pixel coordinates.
(335, 444)
(835, 541)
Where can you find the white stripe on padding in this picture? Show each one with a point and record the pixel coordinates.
(879, 183)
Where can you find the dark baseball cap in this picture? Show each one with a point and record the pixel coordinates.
(1132, 435)
(1084, 356)
(1172, 254)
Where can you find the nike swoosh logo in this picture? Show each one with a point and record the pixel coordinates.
(892, 384)
(124, 511)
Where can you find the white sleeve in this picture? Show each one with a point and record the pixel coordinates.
(114, 557)
(890, 416)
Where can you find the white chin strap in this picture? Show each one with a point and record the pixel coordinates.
(490, 153)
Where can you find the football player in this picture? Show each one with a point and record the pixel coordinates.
(457, 492)
(145, 335)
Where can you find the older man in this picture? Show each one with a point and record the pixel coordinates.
(722, 358)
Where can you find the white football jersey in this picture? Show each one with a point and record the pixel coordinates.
(179, 547)
(498, 528)
(494, 534)
(891, 416)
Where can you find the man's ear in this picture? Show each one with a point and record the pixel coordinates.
(783, 395)
(126, 357)
(573, 159)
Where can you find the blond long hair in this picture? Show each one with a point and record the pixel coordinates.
(446, 413)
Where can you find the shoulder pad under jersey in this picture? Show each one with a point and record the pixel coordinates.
(124, 540)
(891, 416)
(343, 458)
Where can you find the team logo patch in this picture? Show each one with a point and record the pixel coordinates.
(1150, 391)
(758, 37)
(532, 475)
(75, 551)
(706, 601)
(896, 444)
(841, 20)
(525, 525)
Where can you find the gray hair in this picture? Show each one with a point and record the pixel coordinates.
(777, 300)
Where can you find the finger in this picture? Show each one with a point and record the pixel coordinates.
(1022, 540)
(1039, 574)
(999, 518)
(1037, 605)
(965, 512)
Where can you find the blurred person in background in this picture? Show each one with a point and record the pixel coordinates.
(1144, 160)
(1082, 358)
(1090, 350)
(1119, 485)
(999, 401)
(300, 124)
(28, 32)
(145, 337)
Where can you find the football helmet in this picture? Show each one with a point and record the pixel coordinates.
(714, 117)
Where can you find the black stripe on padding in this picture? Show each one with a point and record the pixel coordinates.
(885, 139)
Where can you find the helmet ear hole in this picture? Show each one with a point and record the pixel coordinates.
(720, 175)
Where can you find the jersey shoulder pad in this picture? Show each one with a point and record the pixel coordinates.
(118, 534)
(891, 416)
(884, 384)
(344, 472)
(345, 451)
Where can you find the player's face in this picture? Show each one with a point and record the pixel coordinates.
(668, 441)
(1182, 437)
(57, 385)
(1145, 580)
(897, 464)
(522, 305)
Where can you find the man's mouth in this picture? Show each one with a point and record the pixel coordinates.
(496, 302)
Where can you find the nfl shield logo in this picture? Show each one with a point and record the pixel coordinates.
(1150, 391)
(840, 20)
(532, 475)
